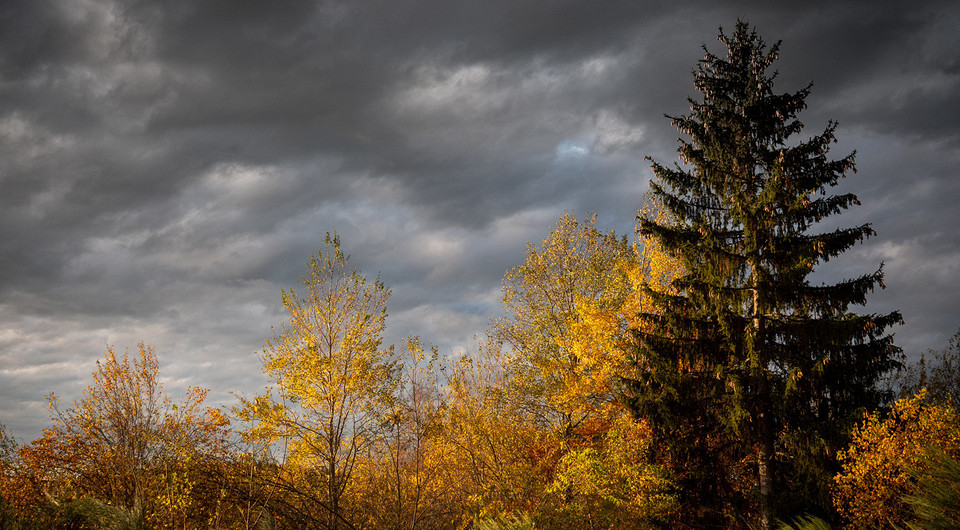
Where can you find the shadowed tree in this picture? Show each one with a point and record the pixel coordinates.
(748, 350)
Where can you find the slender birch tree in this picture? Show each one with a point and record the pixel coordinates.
(333, 385)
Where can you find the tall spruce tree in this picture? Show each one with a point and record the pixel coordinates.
(752, 371)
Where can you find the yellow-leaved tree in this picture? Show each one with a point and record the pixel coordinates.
(598, 330)
(333, 385)
(127, 444)
(611, 482)
(566, 336)
(607, 478)
(494, 449)
(885, 456)
(403, 482)
(578, 271)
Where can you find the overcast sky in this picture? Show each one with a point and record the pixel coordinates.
(166, 168)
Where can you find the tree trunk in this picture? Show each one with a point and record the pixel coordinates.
(765, 470)
(764, 416)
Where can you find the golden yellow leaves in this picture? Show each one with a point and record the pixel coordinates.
(333, 384)
(612, 483)
(877, 466)
(596, 338)
(533, 428)
(575, 280)
(657, 268)
(552, 395)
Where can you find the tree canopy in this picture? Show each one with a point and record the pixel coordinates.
(333, 383)
(748, 349)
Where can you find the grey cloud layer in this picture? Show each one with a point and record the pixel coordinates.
(167, 167)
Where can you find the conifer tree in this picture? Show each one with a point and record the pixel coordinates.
(748, 363)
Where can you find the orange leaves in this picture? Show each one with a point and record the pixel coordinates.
(118, 441)
(877, 466)
(364, 440)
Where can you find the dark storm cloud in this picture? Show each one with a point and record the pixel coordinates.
(167, 167)
(390, 91)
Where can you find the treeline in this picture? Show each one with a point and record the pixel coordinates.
(528, 431)
(693, 378)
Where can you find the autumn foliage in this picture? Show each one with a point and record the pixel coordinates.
(333, 386)
(887, 453)
(691, 377)
(128, 445)
(530, 428)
